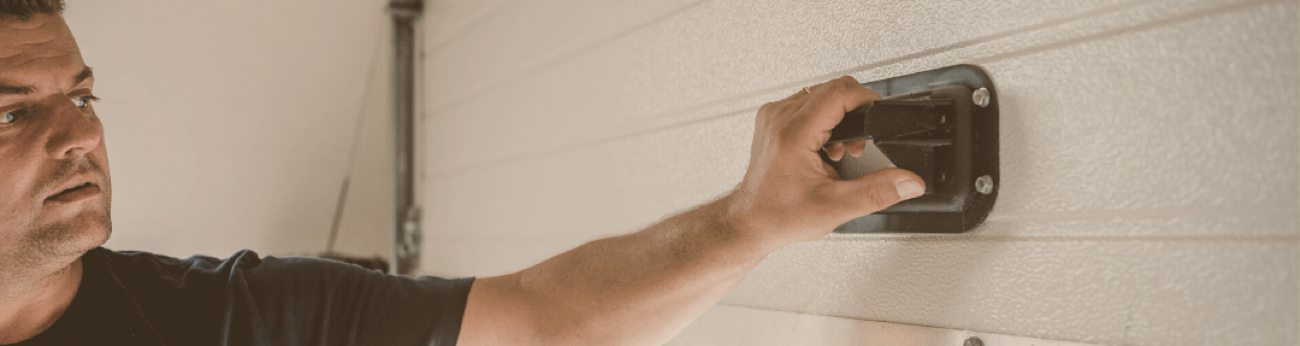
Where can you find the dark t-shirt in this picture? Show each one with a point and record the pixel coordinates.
(137, 298)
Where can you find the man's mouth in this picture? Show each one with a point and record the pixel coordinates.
(75, 193)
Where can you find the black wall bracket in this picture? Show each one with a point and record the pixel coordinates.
(943, 125)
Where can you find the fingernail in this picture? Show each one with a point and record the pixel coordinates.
(908, 189)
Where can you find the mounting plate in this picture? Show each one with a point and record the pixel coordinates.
(943, 125)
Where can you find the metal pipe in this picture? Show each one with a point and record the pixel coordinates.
(407, 232)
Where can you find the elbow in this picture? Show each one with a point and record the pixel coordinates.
(502, 310)
(553, 317)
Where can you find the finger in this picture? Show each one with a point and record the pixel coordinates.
(831, 85)
(876, 191)
(828, 102)
(855, 148)
(835, 151)
(830, 171)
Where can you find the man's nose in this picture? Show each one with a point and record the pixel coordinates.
(74, 131)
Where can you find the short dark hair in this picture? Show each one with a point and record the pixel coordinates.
(25, 9)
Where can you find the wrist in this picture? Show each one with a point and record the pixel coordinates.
(743, 227)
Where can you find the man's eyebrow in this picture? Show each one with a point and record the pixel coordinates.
(16, 90)
(81, 77)
(85, 73)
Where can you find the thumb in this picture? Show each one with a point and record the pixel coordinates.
(878, 190)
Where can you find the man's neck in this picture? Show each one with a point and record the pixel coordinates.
(29, 307)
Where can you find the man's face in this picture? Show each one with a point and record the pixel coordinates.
(54, 183)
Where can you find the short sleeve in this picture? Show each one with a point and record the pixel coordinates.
(309, 301)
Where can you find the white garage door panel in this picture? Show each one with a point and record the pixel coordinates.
(529, 35)
(1185, 115)
(1149, 160)
(1114, 291)
(1146, 153)
(755, 327)
(702, 63)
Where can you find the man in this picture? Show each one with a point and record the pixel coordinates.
(57, 286)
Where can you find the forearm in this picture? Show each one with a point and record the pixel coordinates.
(640, 288)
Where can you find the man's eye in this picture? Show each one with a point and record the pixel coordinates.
(83, 102)
(11, 117)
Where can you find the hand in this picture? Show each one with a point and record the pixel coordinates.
(789, 194)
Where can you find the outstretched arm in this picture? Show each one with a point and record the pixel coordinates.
(645, 287)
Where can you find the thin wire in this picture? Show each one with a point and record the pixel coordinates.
(338, 214)
(352, 146)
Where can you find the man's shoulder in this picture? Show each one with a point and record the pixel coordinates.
(136, 268)
(131, 266)
(145, 258)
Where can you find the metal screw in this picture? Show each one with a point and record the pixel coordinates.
(984, 184)
(981, 97)
(973, 341)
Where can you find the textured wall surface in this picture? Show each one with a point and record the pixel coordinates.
(1150, 152)
(229, 123)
